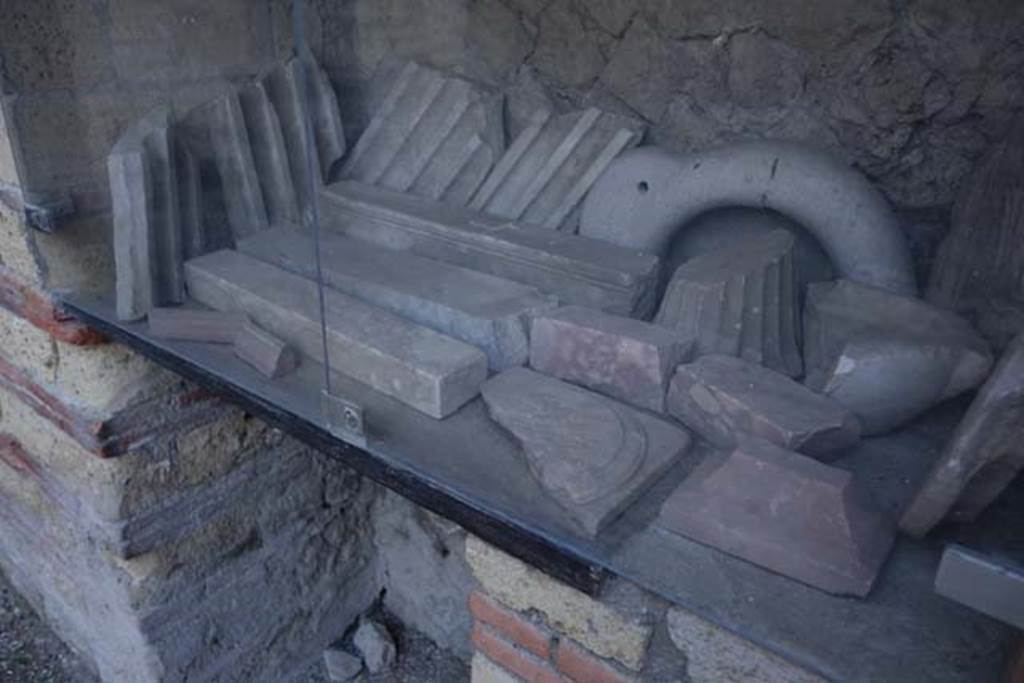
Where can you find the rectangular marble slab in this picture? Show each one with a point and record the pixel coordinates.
(420, 367)
(488, 312)
(577, 270)
(193, 324)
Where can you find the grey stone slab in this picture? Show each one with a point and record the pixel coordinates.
(192, 324)
(576, 270)
(488, 312)
(130, 188)
(627, 359)
(265, 352)
(593, 455)
(647, 195)
(784, 512)
(163, 205)
(269, 154)
(726, 399)
(190, 202)
(327, 126)
(740, 301)
(887, 357)
(283, 85)
(983, 456)
(983, 583)
(424, 369)
(376, 646)
(550, 166)
(433, 136)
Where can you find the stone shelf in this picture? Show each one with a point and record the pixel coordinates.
(467, 469)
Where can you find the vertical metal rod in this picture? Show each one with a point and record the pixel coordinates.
(301, 56)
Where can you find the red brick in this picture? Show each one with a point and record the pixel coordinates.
(511, 624)
(583, 667)
(39, 308)
(515, 660)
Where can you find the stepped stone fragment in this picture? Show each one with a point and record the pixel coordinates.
(983, 456)
(726, 399)
(784, 512)
(269, 154)
(592, 454)
(488, 312)
(887, 357)
(265, 352)
(740, 301)
(575, 269)
(433, 136)
(283, 86)
(190, 202)
(326, 115)
(550, 166)
(194, 324)
(626, 359)
(981, 260)
(421, 368)
(147, 233)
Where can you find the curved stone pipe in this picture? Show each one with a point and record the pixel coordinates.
(648, 193)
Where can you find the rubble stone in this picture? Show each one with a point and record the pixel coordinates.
(724, 399)
(593, 455)
(785, 512)
(887, 357)
(983, 456)
(741, 301)
(341, 666)
(375, 645)
(626, 359)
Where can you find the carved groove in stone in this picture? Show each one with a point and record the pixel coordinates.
(432, 136)
(269, 154)
(550, 166)
(283, 87)
(740, 301)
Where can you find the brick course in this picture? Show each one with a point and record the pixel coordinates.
(514, 659)
(512, 625)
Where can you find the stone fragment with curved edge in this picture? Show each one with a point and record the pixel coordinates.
(725, 399)
(983, 456)
(647, 194)
(740, 301)
(592, 454)
(886, 357)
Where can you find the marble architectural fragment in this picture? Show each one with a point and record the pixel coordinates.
(981, 260)
(145, 204)
(627, 359)
(726, 399)
(190, 202)
(551, 165)
(433, 136)
(647, 194)
(431, 372)
(574, 269)
(488, 312)
(887, 357)
(195, 324)
(270, 155)
(785, 512)
(269, 355)
(740, 301)
(985, 453)
(326, 118)
(984, 583)
(592, 454)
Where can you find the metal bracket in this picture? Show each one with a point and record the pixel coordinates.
(344, 419)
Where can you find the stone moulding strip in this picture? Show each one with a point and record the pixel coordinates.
(116, 435)
(39, 308)
(558, 561)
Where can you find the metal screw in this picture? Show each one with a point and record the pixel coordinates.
(351, 419)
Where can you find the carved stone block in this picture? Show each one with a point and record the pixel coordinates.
(887, 357)
(725, 399)
(784, 512)
(595, 456)
(575, 269)
(421, 368)
(486, 311)
(984, 455)
(740, 301)
(193, 324)
(620, 357)
(269, 355)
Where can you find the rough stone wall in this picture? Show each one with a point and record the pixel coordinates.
(911, 91)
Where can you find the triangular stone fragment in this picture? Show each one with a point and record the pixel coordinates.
(740, 301)
(593, 455)
(784, 512)
(725, 398)
(887, 357)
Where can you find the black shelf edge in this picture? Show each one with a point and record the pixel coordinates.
(555, 560)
